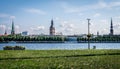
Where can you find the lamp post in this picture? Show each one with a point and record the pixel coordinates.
(88, 33)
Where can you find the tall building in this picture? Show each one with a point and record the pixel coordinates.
(52, 28)
(13, 29)
(111, 28)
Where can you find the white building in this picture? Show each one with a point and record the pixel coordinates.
(24, 33)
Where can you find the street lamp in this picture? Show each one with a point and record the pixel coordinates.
(88, 33)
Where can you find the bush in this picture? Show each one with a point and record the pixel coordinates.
(14, 48)
(8, 48)
(94, 47)
(19, 48)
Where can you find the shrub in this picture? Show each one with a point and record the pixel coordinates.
(14, 48)
(19, 48)
(8, 48)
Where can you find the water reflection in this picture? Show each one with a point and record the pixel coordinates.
(68, 46)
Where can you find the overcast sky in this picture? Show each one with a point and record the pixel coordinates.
(70, 16)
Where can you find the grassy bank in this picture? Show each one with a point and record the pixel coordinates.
(60, 59)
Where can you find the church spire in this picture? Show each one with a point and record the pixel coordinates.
(5, 32)
(13, 30)
(52, 23)
(111, 24)
(111, 28)
(52, 29)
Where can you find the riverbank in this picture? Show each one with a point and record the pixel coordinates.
(99, 41)
(33, 42)
(60, 59)
(60, 42)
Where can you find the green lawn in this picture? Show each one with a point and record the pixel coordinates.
(60, 59)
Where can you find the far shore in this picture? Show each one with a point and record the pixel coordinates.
(60, 42)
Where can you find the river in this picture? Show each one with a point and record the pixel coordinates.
(62, 46)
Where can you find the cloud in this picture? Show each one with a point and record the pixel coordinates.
(105, 31)
(70, 26)
(118, 17)
(12, 17)
(38, 28)
(63, 24)
(2, 15)
(117, 26)
(114, 4)
(69, 9)
(35, 11)
(80, 14)
(103, 21)
(17, 29)
(2, 29)
(67, 27)
(69, 30)
(9, 28)
(99, 5)
(57, 18)
(97, 15)
(41, 27)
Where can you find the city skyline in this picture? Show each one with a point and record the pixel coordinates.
(69, 16)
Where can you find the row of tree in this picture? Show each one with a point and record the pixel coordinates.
(105, 38)
(31, 38)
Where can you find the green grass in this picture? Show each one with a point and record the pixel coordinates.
(60, 59)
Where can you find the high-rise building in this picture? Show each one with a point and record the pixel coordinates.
(52, 28)
(111, 28)
(13, 29)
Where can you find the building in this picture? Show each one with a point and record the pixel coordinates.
(52, 28)
(97, 33)
(5, 32)
(13, 29)
(111, 28)
(25, 33)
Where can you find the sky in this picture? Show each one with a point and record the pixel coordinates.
(69, 16)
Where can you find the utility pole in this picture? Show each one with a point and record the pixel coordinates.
(88, 33)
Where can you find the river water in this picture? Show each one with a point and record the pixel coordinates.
(62, 46)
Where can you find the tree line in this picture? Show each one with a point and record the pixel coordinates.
(19, 38)
(30, 38)
(104, 38)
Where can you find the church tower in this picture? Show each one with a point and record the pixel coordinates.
(97, 33)
(5, 32)
(13, 30)
(52, 28)
(111, 28)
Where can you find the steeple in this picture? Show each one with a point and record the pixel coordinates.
(52, 29)
(52, 23)
(13, 30)
(111, 28)
(5, 32)
(97, 33)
